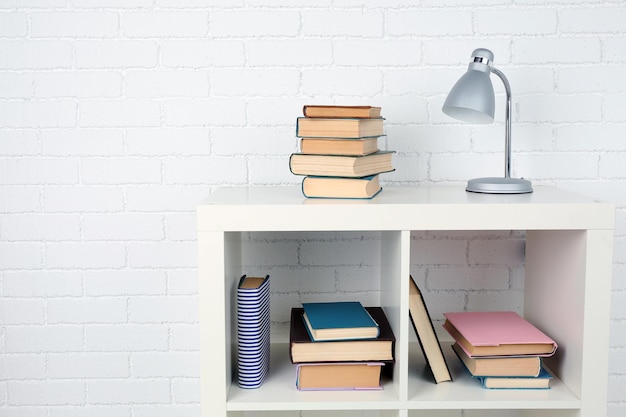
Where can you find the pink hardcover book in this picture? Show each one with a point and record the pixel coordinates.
(497, 333)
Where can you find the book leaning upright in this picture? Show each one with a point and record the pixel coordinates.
(253, 331)
(426, 335)
(497, 333)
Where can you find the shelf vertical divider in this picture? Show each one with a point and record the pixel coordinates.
(595, 366)
(554, 296)
(395, 263)
(219, 267)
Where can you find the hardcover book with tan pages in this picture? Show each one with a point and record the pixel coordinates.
(339, 376)
(331, 111)
(338, 128)
(499, 366)
(428, 340)
(340, 187)
(341, 165)
(339, 320)
(338, 146)
(542, 381)
(303, 349)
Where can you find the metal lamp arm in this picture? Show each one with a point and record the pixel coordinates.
(507, 133)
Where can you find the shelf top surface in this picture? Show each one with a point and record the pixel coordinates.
(401, 208)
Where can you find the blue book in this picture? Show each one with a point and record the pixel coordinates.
(344, 320)
(542, 381)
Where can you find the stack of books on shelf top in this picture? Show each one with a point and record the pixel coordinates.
(339, 151)
(340, 346)
(501, 349)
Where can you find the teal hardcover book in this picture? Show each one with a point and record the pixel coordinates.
(344, 320)
(542, 381)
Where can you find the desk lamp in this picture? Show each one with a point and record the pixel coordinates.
(472, 100)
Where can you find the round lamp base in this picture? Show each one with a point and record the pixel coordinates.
(499, 185)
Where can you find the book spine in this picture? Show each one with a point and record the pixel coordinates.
(290, 167)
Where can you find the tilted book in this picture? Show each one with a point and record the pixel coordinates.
(426, 335)
(497, 333)
(342, 320)
(303, 349)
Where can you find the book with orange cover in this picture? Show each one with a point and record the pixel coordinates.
(339, 376)
(341, 165)
(338, 128)
(332, 111)
(339, 146)
(497, 333)
(497, 366)
(341, 187)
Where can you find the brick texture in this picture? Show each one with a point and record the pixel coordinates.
(118, 116)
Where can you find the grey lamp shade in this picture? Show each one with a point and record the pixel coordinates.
(472, 97)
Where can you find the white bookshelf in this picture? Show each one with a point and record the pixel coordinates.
(567, 280)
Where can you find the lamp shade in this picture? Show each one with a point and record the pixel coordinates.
(472, 98)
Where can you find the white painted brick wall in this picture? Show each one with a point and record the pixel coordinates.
(118, 116)
(99, 24)
(35, 54)
(171, 23)
(115, 54)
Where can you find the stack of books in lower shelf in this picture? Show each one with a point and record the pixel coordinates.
(340, 155)
(501, 349)
(340, 346)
